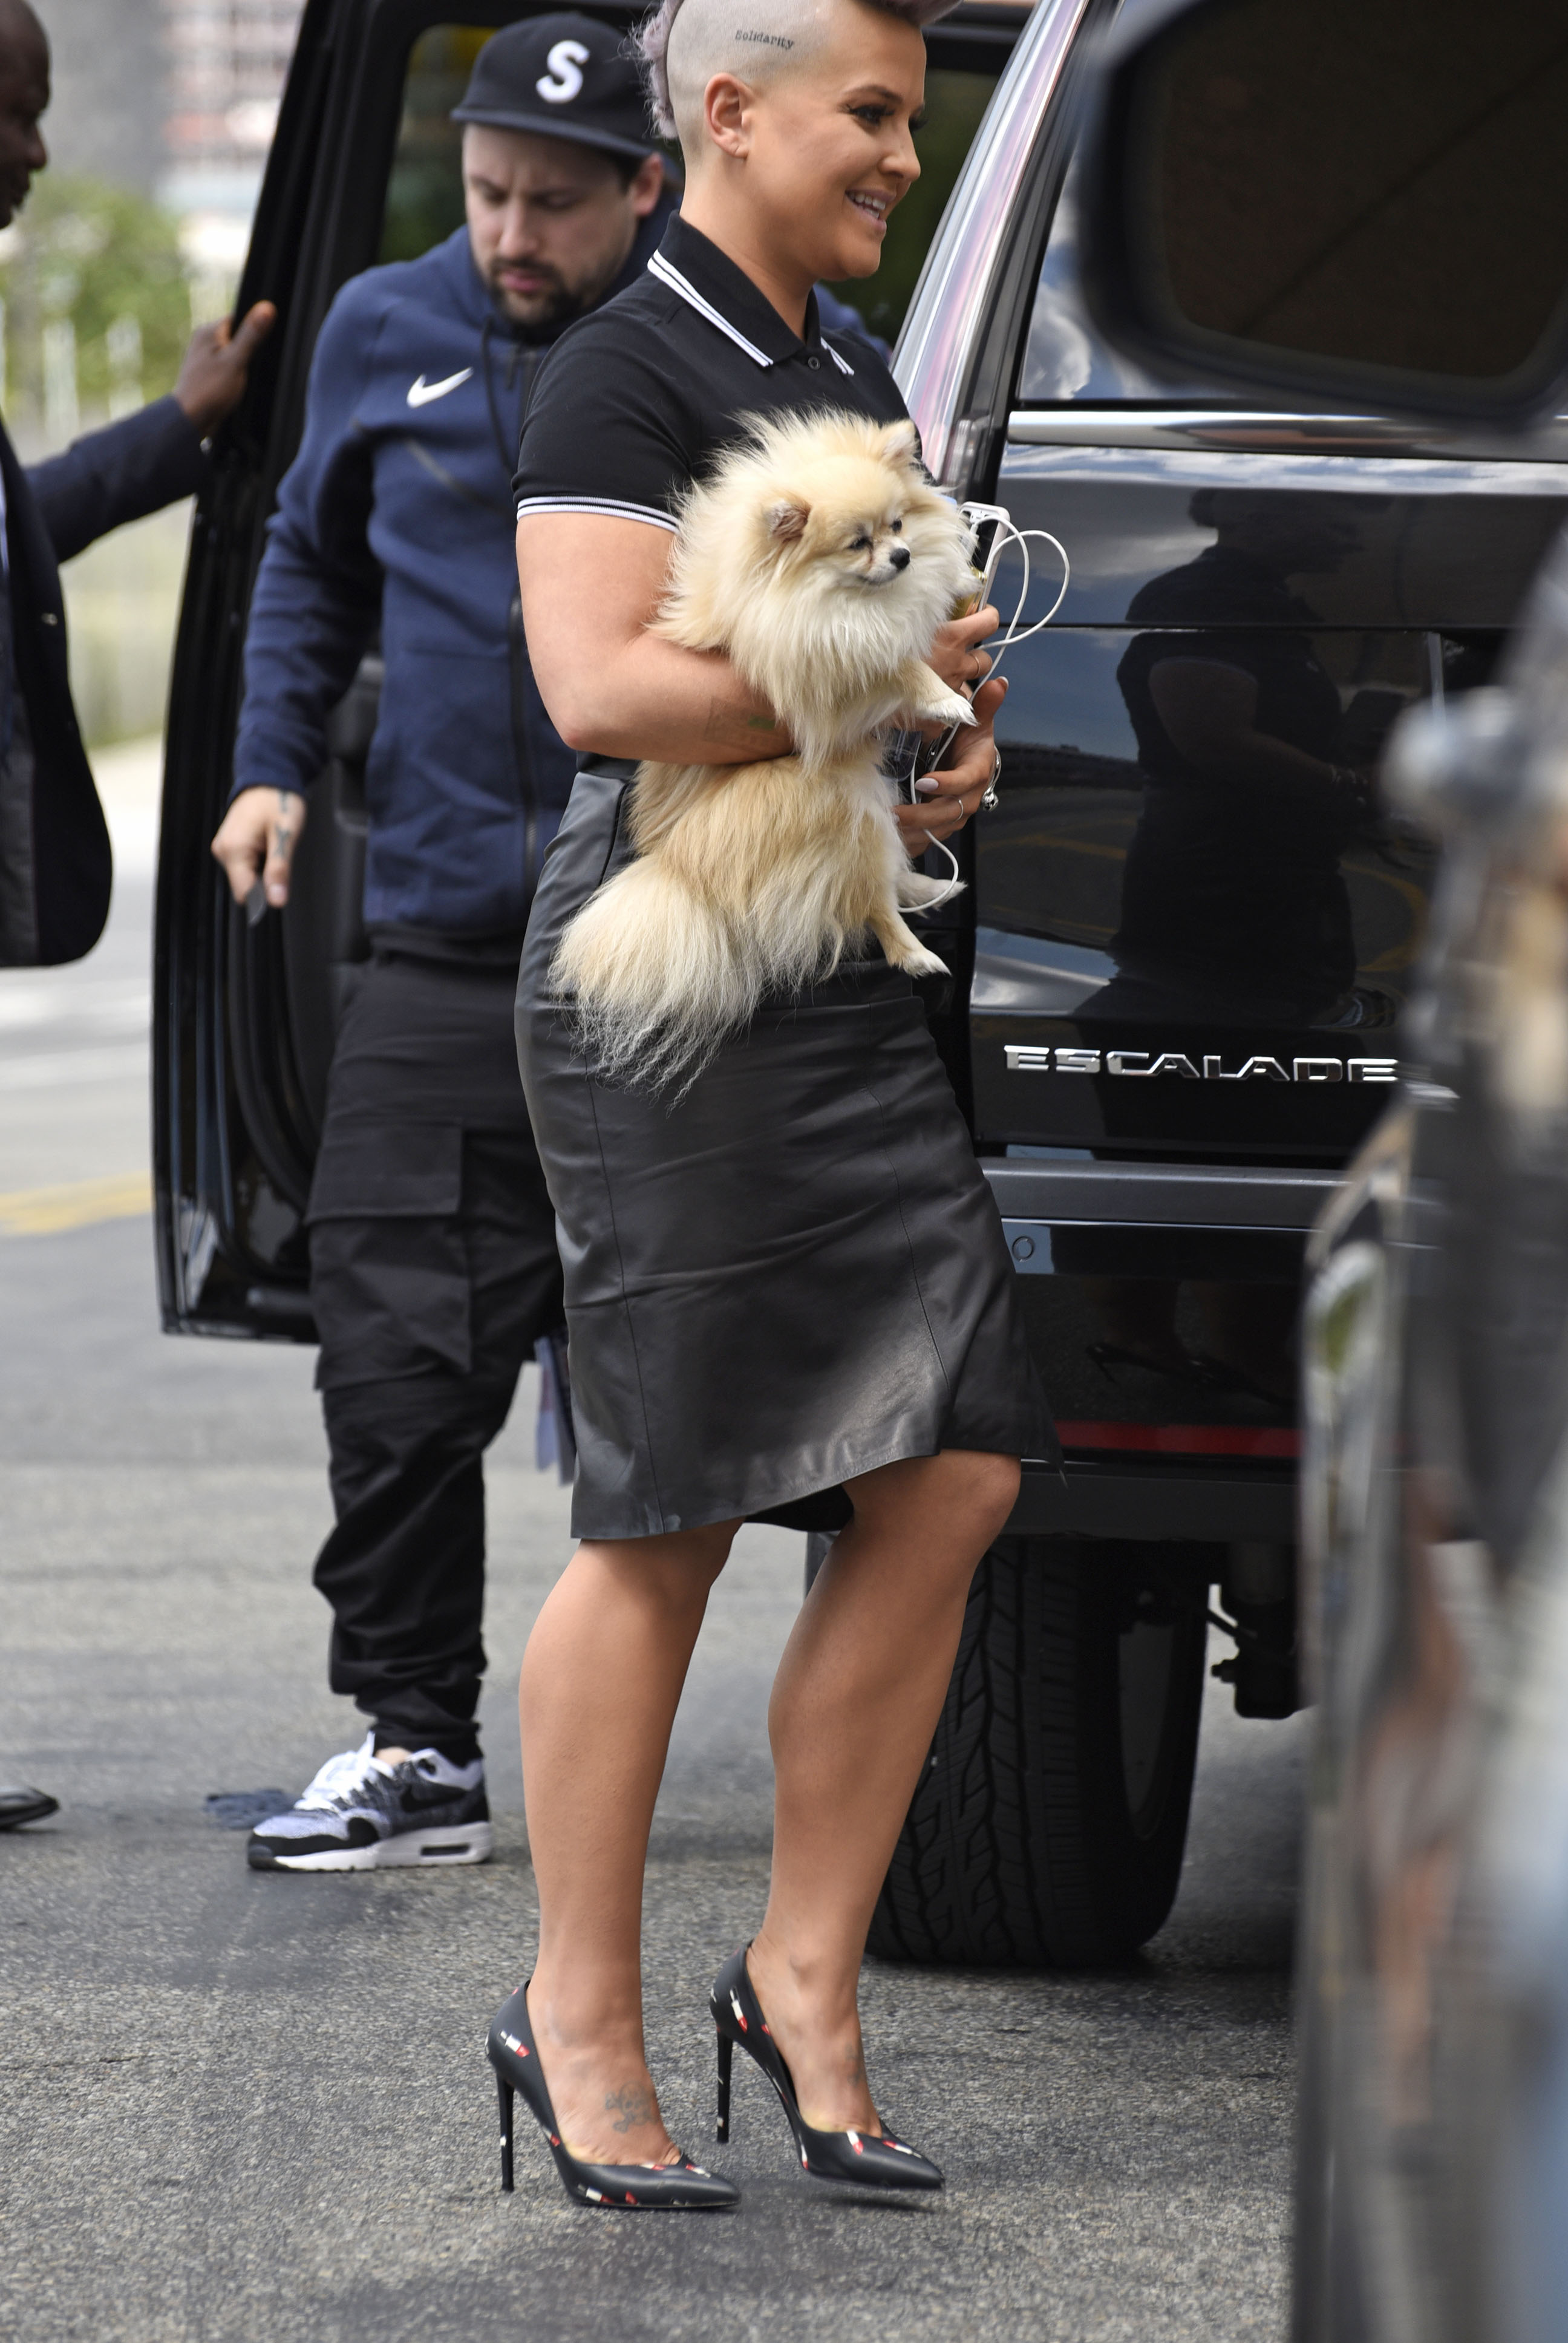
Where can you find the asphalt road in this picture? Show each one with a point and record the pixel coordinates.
(255, 2107)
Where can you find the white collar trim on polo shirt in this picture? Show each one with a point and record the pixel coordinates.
(667, 274)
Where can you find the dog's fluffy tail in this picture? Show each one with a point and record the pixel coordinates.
(656, 978)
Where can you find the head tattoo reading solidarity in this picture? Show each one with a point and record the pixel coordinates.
(685, 43)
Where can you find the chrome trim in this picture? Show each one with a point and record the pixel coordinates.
(1313, 472)
(1185, 1195)
(1042, 1058)
(1240, 430)
(943, 328)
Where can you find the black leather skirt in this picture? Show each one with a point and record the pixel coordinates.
(795, 1274)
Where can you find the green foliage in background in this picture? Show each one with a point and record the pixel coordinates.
(94, 254)
(425, 191)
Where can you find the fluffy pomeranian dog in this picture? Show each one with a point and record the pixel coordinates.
(822, 561)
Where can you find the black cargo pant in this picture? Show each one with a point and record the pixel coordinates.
(433, 1273)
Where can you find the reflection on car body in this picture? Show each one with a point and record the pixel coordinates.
(1233, 877)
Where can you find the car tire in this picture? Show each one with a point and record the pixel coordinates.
(1048, 1825)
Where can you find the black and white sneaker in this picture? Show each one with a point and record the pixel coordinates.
(19, 1804)
(363, 1815)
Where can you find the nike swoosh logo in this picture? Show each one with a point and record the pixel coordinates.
(421, 393)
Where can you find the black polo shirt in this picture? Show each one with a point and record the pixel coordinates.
(635, 398)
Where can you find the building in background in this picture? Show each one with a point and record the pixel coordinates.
(176, 100)
(106, 118)
(225, 62)
(161, 115)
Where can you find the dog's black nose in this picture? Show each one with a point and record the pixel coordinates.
(900, 556)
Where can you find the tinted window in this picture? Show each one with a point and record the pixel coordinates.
(425, 191)
(1064, 357)
(1311, 197)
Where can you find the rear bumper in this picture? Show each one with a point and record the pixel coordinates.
(1194, 1504)
(1235, 1481)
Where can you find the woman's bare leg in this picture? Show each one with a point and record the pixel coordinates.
(601, 1684)
(855, 1703)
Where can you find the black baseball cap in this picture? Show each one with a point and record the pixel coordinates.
(560, 77)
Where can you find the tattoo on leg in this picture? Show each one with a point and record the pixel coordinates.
(637, 2106)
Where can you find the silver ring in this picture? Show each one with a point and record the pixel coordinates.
(989, 799)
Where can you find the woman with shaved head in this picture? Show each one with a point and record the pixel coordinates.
(788, 1293)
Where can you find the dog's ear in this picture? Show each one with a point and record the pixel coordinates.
(786, 519)
(901, 445)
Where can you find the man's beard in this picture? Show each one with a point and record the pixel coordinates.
(556, 305)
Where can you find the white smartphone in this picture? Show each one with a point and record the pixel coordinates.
(980, 517)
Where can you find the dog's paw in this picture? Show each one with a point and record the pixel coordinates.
(916, 960)
(947, 707)
(904, 948)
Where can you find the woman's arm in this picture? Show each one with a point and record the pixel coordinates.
(590, 584)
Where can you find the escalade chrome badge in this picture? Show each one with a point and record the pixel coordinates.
(1143, 1065)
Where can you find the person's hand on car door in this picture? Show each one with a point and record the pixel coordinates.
(216, 367)
(256, 840)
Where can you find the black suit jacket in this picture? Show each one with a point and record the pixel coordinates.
(52, 511)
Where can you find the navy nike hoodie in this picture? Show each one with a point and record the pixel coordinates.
(397, 513)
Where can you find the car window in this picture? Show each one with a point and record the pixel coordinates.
(1064, 358)
(425, 189)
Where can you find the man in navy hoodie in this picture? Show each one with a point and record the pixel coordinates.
(433, 1254)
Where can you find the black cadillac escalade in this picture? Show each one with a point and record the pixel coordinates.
(1179, 967)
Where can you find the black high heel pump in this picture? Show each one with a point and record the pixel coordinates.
(854, 2156)
(668, 2187)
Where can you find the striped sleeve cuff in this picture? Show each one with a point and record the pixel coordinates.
(611, 505)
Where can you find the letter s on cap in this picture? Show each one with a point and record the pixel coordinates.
(564, 78)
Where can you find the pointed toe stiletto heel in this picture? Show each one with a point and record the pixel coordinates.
(853, 2156)
(652, 2187)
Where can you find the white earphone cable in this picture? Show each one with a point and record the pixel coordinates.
(1010, 637)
